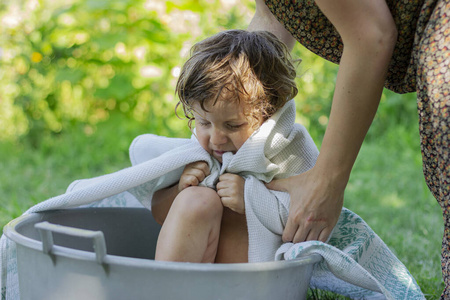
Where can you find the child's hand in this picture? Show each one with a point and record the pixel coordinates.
(231, 191)
(193, 174)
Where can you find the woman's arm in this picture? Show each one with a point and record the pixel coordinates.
(369, 35)
(265, 20)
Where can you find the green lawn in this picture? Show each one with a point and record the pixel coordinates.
(386, 187)
(388, 191)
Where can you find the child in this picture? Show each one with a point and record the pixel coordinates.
(233, 82)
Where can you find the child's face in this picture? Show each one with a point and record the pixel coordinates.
(224, 127)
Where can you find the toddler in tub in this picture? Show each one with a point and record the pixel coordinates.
(233, 82)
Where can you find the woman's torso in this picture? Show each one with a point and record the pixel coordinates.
(304, 20)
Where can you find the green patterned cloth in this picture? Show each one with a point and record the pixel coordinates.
(357, 263)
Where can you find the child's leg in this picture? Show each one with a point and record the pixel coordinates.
(233, 242)
(190, 232)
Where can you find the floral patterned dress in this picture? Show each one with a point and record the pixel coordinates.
(420, 63)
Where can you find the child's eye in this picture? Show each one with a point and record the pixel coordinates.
(203, 123)
(234, 126)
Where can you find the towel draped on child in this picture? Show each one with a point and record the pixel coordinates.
(356, 261)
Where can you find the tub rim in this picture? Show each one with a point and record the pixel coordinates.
(11, 233)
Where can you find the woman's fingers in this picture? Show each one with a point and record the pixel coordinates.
(281, 185)
(314, 209)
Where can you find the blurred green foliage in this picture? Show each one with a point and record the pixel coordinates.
(72, 62)
(68, 62)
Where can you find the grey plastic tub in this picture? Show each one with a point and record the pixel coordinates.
(107, 253)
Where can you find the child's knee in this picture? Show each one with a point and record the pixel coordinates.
(199, 202)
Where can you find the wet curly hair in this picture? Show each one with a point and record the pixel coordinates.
(254, 67)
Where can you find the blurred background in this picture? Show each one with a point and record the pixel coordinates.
(80, 79)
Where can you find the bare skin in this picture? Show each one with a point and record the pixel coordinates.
(233, 241)
(213, 226)
(192, 175)
(200, 224)
(369, 35)
(190, 232)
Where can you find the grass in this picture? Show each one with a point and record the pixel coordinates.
(386, 188)
(32, 174)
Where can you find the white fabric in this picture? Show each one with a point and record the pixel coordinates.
(278, 149)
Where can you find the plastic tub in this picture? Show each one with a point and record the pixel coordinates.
(107, 253)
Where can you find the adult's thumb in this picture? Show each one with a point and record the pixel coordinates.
(278, 185)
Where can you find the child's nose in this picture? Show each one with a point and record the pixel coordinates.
(218, 137)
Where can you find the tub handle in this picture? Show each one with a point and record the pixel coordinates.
(46, 230)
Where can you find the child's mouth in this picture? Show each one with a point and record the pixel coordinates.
(219, 153)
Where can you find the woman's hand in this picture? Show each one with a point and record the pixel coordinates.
(316, 203)
(231, 191)
(193, 174)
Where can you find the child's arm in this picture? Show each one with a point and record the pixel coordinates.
(192, 175)
(233, 242)
(231, 191)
